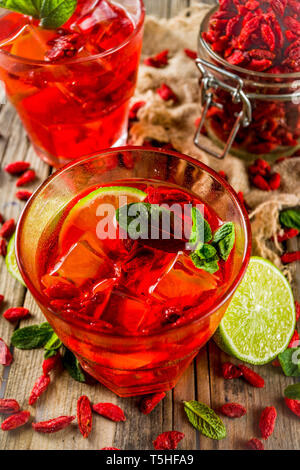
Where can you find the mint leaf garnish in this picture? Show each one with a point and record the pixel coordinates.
(290, 218)
(290, 362)
(55, 13)
(32, 337)
(293, 392)
(51, 13)
(25, 7)
(71, 364)
(205, 420)
(210, 265)
(201, 231)
(224, 239)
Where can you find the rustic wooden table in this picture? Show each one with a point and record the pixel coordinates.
(201, 381)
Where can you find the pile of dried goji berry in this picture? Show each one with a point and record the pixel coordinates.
(262, 177)
(25, 176)
(268, 415)
(260, 35)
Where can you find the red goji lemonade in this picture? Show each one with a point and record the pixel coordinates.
(98, 268)
(72, 86)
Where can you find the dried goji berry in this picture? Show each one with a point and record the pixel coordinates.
(297, 307)
(223, 175)
(26, 178)
(233, 410)
(7, 229)
(261, 163)
(293, 405)
(252, 377)
(267, 421)
(158, 61)
(16, 168)
(53, 425)
(62, 291)
(148, 403)
(5, 354)
(135, 108)
(1, 218)
(23, 195)
(288, 235)
(236, 58)
(110, 411)
(230, 371)
(274, 181)
(256, 170)
(166, 93)
(50, 363)
(290, 257)
(168, 440)
(15, 421)
(294, 343)
(255, 444)
(276, 363)
(63, 46)
(15, 314)
(1, 299)
(191, 54)
(268, 36)
(3, 247)
(84, 415)
(8, 406)
(259, 182)
(39, 388)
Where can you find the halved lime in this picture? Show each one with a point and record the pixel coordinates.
(83, 217)
(11, 262)
(261, 317)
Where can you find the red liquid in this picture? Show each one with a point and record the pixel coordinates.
(124, 288)
(72, 108)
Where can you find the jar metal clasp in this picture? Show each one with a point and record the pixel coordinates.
(208, 83)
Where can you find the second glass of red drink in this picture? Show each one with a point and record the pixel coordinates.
(71, 86)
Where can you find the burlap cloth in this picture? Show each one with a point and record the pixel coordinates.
(166, 122)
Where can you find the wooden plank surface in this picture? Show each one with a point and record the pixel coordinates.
(201, 381)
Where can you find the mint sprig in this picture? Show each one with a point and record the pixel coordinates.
(43, 336)
(51, 13)
(205, 420)
(206, 256)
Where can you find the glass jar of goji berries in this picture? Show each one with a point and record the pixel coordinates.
(249, 113)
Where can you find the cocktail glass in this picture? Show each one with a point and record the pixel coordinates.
(133, 364)
(75, 106)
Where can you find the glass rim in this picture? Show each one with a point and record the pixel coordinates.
(236, 68)
(80, 60)
(241, 208)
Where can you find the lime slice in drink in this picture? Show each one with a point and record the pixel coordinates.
(261, 317)
(84, 216)
(11, 262)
